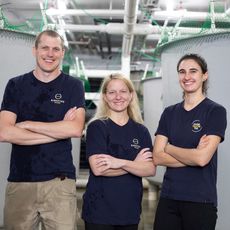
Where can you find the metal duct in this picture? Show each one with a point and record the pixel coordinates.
(107, 13)
(129, 22)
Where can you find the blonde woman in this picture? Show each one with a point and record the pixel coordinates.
(119, 152)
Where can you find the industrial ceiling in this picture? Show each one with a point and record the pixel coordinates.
(116, 35)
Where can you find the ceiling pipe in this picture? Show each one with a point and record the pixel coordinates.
(1, 19)
(213, 18)
(107, 13)
(175, 15)
(227, 12)
(142, 29)
(119, 28)
(156, 15)
(92, 73)
(163, 30)
(151, 31)
(130, 19)
(184, 33)
(44, 19)
(110, 28)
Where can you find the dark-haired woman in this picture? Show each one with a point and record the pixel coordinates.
(186, 143)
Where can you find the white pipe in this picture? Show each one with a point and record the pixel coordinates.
(185, 32)
(130, 28)
(157, 15)
(153, 37)
(145, 72)
(83, 69)
(163, 30)
(81, 28)
(143, 29)
(130, 19)
(118, 28)
(1, 19)
(92, 12)
(92, 73)
(77, 66)
(187, 15)
(147, 51)
(43, 16)
(92, 96)
(213, 26)
(227, 12)
(125, 65)
(110, 28)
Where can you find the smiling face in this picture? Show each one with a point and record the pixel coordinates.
(117, 95)
(191, 77)
(49, 54)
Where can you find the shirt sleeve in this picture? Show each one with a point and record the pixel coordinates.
(96, 138)
(10, 97)
(162, 128)
(147, 140)
(78, 94)
(217, 122)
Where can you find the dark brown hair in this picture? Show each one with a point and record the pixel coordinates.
(203, 65)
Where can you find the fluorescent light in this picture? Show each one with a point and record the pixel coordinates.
(170, 6)
(61, 4)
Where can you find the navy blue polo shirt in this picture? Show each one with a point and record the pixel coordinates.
(114, 200)
(184, 129)
(31, 99)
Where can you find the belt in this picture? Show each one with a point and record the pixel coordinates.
(62, 177)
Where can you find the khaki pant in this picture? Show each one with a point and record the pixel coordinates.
(53, 204)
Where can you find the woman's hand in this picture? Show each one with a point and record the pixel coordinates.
(144, 155)
(204, 140)
(108, 161)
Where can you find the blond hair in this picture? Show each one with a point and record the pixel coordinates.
(133, 109)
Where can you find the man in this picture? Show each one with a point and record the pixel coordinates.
(41, 111)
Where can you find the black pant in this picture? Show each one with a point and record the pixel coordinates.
(183, 215)
(89, 226)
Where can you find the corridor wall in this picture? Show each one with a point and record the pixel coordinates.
(15, 58)
(215, 49)
(153, 107)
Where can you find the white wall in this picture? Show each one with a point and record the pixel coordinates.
(15, 58)
(215, 49)
(153, 107)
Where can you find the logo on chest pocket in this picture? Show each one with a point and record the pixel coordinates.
(135, 143)
(196, 126)
(58, 99)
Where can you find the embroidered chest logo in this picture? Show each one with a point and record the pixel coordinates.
(135, 144)
(57, 99)
(196, 126)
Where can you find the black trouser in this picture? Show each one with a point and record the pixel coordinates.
(183, 215)
(89, 226)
